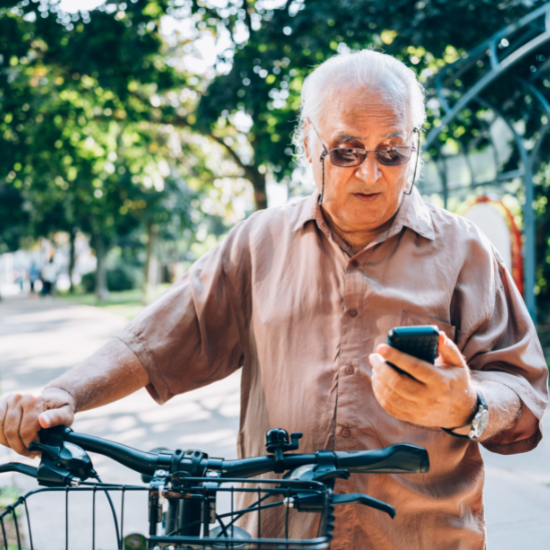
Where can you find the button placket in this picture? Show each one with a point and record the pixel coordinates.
(350, 356)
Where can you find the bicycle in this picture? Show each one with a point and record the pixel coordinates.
(183, 488)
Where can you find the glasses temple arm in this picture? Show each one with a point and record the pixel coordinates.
(416, 163)
(325, 150)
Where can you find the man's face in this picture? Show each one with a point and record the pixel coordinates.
(364, 197)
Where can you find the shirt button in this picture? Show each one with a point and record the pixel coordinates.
(350, 370)
(346, 432)
(352, 312)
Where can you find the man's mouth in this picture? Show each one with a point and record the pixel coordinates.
(366, 197)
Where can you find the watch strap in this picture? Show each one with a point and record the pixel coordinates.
(450, 432)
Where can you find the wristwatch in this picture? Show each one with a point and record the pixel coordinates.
(479, 422)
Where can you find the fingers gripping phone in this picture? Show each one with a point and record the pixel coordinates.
(420, 342)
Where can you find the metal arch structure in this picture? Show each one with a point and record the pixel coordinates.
(493, 106)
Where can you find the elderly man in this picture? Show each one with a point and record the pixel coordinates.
(301, 298)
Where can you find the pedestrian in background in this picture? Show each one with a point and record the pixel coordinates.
(34, 275)
(49, 277)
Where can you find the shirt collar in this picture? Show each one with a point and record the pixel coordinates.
(311, 211)
(413, 213)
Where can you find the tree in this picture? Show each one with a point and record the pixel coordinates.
(268, 68)
(88, 108)
(13, 216)
(89, 101)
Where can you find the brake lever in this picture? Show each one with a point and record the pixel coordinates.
(305, 502)
(365, 500)
(48, 450)
(66, 464)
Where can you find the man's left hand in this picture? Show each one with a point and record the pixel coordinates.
(440, 395)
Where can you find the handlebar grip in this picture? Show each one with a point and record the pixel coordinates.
(401, 458)
(19, 468)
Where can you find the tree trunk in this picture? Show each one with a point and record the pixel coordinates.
(101, 290)
(72, 258)
(150, 267)
(258, 181)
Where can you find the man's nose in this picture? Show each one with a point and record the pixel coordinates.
(369, 171)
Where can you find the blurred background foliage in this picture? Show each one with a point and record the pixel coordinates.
(152, 126)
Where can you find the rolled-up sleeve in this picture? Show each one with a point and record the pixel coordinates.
(190, 336)
(500, 344)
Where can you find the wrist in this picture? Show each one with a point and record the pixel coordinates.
(463, 422)
(60, 395)
(477, 425)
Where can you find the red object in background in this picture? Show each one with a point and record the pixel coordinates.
(515, 238)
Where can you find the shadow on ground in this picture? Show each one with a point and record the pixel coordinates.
(41, 339)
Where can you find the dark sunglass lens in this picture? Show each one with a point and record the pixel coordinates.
(392, 156)
(346, 157)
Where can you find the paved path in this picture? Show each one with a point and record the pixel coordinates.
(41, 339)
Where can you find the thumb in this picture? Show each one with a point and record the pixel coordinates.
(64, 416)
(449, 354)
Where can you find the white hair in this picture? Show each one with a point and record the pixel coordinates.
(371, 70)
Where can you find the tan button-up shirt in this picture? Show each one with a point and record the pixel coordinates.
(281, 299)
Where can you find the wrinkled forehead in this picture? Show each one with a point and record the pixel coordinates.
(369, 112)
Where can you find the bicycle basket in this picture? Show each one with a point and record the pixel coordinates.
(229, 513)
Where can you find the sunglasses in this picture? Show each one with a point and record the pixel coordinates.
(391, 155)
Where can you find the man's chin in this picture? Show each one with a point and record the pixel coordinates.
(361, 221)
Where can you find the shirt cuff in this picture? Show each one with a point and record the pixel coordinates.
(157, 387)
(528, 398)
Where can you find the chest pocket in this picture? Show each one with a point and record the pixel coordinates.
(409, 319)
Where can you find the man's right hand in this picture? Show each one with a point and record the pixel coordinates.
(111, 373)
(22, 416)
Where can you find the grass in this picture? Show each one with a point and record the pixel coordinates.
(127, 303)
(8, 495)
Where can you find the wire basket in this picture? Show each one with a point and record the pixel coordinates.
(244, 514)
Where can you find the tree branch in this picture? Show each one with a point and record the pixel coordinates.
(247, 16)
(233, 154)
(256, 178)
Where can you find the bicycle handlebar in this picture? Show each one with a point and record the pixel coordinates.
(65, 463)
(139, 461)
(19, 468)
(396, 459)
(401, 458)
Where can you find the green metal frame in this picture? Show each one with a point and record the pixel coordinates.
(516, 42)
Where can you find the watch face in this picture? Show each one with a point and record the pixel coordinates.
(480, 422)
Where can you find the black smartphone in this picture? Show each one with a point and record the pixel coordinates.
(420, 342)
